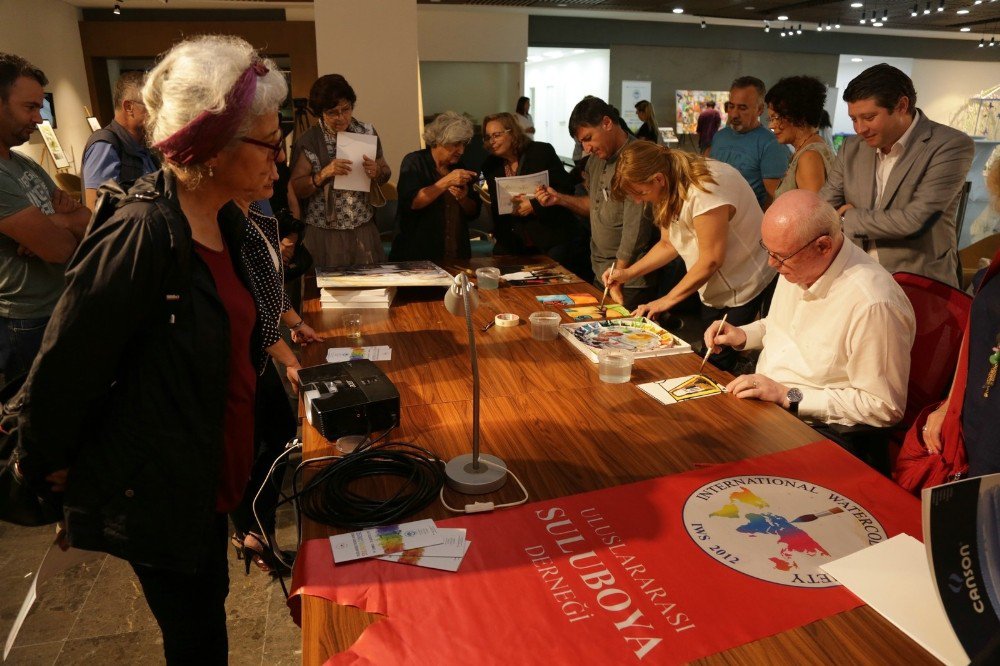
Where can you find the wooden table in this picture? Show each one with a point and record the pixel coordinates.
(545, 412)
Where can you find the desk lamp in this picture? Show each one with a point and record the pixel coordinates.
(468, 473)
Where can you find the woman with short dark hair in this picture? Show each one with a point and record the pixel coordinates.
(340, 224)
(795, 107)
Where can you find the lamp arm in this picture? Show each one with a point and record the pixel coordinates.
(466, 301)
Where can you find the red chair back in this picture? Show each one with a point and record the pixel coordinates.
(941, 312)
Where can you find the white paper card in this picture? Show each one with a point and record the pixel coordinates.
(339, 354)
(452, 546)
(383, 540)
(427, 561)
(55, 560)
(518, 185)
(520, 275)
(353, 147)
(893, 577)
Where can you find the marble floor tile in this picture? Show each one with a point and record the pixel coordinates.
(283, 638)
(44, 654)
(137, 647)
(115, 606)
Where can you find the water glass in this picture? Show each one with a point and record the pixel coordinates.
(488, 278)
(352, 325)
(614, 366)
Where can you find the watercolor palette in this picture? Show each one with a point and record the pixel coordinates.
(644, 338)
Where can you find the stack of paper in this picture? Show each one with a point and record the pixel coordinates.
(346, 299)
(419, 543)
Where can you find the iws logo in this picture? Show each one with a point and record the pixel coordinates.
(778, 529)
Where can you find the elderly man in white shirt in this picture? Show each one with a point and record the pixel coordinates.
(836, 342)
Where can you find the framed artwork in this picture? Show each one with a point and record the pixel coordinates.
(94, 123)
(692, 102)
(53, 146)
(49, 110)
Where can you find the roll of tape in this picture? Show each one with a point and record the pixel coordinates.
(506, 320)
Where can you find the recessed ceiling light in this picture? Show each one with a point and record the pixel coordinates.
(877, 24)
(678, 10)
(965, 29)
(857, 5)
(962, 11)
(750, 9)
(857, 59)
(782, 18)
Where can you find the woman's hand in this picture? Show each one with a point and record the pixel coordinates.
(613, 277)
(651, 309)
(932, 429)
(370, 167)
(457, 178)
(459, 191)
(292, 374)
(287, 250)
(522, 206)
(305, 334)
(334, 168)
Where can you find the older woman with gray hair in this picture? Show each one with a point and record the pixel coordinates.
(140, 408)
(435, 202)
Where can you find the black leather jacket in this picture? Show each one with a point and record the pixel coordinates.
(129, 389)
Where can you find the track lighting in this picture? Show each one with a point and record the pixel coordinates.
(117, 10)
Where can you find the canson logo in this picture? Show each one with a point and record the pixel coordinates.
(970, 579)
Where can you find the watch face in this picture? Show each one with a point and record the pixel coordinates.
(794, 395)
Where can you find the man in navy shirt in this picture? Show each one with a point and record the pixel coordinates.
(118, 151)
(747, 146)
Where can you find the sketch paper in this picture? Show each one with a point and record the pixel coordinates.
(53, 146)
(681, 389)
(55, 560)
(352, 146)
(593, 313)
(894, 578)
(340, 354)
(510, 186)
(384, 540)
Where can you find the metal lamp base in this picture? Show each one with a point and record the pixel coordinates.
(465, 479)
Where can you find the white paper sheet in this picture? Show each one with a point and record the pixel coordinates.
(53, 562)
(514, 185)
(383, 540)
(893, 577)
(340, 354)
(353, 147)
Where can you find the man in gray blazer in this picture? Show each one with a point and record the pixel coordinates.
(897, 184)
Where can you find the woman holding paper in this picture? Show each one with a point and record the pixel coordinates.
(340, 222)
(436, 201)
(707, 215)
(529, 227)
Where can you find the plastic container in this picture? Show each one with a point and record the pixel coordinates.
(614, 366)
(488, 278)
(544, 325)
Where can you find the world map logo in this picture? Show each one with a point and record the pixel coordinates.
(778, 529)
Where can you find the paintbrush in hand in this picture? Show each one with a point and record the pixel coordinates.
(709, 350)
(601, 308)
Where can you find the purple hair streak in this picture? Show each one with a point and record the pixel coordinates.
(203, 138)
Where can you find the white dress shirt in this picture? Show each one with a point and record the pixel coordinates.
(884, 163)
(844, 342)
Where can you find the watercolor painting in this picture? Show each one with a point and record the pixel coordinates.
(593, 313)
(567, 299)
(696, 386)
(533, 275)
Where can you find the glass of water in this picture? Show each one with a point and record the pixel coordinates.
(614, 366)
(352, 325)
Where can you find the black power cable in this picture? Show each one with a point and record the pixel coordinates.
(328, 497)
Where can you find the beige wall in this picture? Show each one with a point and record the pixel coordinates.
(944, 86)
(379, 59)
(471, 35)
(45, 32)
(476, 88)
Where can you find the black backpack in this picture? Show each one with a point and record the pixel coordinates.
(26, 504)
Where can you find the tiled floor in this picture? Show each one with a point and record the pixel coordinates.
(95, 613)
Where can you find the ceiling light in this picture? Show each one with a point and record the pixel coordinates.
(927, 9)
(982, 42)
(782, 18)
(799, 31)
(941, 6)
(678, 10)
(117, 10)
(819, 27)
(830, 27)
(885, 15)
(837, 26)
(877, 24)
(965, 29)
(782, 33)
(962, 12)
(915, 11)
(857, 5)
(993, 42)
(863, 19)
(857, 59)
(703, 24)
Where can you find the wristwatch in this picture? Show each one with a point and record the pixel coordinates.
(794, 396)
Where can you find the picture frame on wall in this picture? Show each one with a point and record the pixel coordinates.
(94, 123)
(53, 146)
(49, 110)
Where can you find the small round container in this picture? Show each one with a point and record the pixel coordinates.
(488, 278)
(348, 443)
(614, 366)
(544, 325)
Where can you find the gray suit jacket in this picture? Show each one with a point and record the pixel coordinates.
(914, 224)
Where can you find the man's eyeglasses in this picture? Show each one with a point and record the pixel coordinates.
(781, 260)
(490, 138)
(339, 111)
(277, 148)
